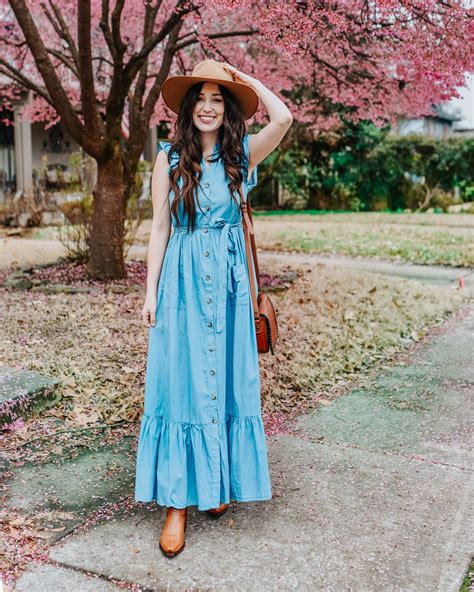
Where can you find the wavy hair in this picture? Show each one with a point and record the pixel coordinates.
(186, 144)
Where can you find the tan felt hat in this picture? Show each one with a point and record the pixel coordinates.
(175, 87)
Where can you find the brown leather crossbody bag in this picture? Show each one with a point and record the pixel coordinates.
(266, 326)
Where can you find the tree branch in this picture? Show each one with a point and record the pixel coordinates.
(116, 36)
(155, 90)
(216, 36)
(148, 25)
(64, 59)
(55, 89)
(104, 26)
(141, 122)
(92, 121)
(123, 77)
(135, 62)
(16, 75)
(119, 87)
(61, 28)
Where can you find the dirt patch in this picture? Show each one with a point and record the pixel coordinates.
(18, 252)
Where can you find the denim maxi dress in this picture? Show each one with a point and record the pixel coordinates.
(202, 440)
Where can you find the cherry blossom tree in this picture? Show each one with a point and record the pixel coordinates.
(89, 63)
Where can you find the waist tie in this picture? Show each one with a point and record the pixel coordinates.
(226, 244)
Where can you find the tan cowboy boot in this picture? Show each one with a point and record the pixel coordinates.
(172, 536)
(216, 512)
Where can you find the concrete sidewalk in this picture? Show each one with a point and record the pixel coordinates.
(370, 494)
(440, 275)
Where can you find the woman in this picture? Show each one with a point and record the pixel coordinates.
(201, 439)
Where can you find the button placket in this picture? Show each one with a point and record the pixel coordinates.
(208, 175)
(211, 314)
(212, 375)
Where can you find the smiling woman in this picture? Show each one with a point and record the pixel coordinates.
(208, 113)
(210, 105)
(202, 440)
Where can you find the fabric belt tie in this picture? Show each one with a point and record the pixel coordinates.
(226, 244)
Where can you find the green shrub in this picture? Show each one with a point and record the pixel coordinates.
(362, 168)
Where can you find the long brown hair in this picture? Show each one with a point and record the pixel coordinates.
(187, 146)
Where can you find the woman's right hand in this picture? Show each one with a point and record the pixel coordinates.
(149, 310)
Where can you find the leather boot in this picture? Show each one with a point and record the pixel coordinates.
(216, 512)
(172, 536)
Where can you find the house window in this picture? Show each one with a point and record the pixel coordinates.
(7, 153)
(55, 143)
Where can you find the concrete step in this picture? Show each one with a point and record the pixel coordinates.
(25, 391)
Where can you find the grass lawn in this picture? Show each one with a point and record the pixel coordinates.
(427, 239)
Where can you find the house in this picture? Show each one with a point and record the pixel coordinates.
(439, 125)
(26, 146)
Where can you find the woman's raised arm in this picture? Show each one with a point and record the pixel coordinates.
(267, 139)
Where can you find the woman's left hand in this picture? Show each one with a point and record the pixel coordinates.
(239, 76)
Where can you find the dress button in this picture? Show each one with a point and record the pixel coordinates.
(211, 348)
(205, 230)
(206, 185)
(213, 396)
(208, 277)
(206, 253)
(214, 420)
(209, 300)
(213, 372)
(207, 208)
(209, 324)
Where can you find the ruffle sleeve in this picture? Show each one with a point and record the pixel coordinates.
(165, 145)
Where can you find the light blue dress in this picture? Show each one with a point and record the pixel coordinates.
(202, 440)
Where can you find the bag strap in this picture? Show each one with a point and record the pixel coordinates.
(251, 251)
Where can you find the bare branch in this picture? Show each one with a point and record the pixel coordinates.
(61, 28)
(104, 26)
(217, 36)
(53, 85)
(155, 90)
(123, 77)
(117, 38)
(93, 122)
(64, 59)
(102, 59)
(141, 120)
(148, 25)
(136, 61)
(16, 75)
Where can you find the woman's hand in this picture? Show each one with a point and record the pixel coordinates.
(239, 76)
(149, 310)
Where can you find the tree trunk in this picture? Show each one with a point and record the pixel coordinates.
(314, 199)
(429, 193)
(106, 259)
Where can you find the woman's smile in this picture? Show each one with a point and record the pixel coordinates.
(207, 118)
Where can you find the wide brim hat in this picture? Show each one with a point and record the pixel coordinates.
(175, 87)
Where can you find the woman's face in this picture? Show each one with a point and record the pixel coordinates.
(208, 113)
